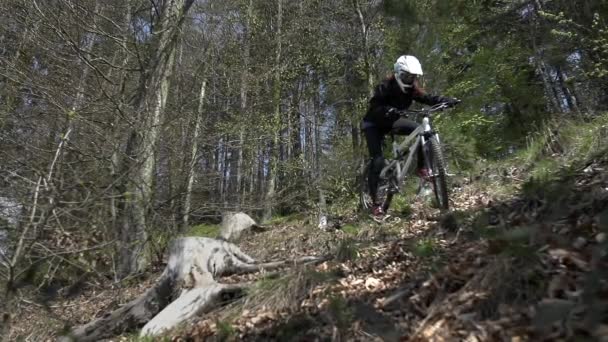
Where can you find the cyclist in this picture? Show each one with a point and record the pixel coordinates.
(392, 96)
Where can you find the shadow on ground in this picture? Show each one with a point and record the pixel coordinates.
(530, 267)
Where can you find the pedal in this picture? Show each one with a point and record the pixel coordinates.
(393, 190)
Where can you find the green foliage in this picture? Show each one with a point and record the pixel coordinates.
(425, 247)
(278, 292)
(204, 230)
(401, 203)
(545, 170)
(347, 250)
(546, 185)
(341, 312)
(481, 226)
(287, 219)
(571, 31)
(225, 330)
(324, 277)
(295, 326)
(599, 45)
(270, 283)
(498, 98)
(350, 229)
(517, 242)
(159, 242)
(582, 140)
(404, 10)
(460, 149)
(340, 176)
(563, 144)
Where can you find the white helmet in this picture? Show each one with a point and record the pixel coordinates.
(407, 69)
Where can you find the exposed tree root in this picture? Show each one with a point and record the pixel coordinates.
(186, 288)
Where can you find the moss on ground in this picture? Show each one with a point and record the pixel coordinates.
(204, 230)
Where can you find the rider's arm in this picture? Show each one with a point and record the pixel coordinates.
(378, 104)
(421, 96)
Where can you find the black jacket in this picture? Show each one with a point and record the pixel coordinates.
(388, 94)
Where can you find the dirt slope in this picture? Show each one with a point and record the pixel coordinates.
(530, 264)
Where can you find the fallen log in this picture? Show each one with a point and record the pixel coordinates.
(186, 288)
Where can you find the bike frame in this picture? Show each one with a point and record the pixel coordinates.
(418, 137)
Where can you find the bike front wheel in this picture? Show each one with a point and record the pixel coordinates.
(438, 167)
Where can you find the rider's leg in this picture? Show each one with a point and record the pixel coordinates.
(374, 146)
(404, 127)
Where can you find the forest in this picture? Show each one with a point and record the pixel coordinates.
(133, 132)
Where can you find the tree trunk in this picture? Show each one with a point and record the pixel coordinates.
(297, 135)
(116, 132)
(289, 138)
(317, 164)
(226, 171)
(238, 191)
(355, 121)
(569, 95)
(276, 120)
(187, 204)
(261, 165)
(365, 46)
(310, 151)
(244, 86)
(139, 164)
(541, 67)
(220, 170)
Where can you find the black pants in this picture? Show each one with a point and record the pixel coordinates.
(375, 137)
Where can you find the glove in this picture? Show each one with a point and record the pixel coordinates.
(393, 114)
(452, 101)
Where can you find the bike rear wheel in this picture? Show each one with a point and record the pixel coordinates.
(384, 195)
(438, 167)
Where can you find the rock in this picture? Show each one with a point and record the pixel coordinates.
(256, 320)
(579, 243)
(322, 222)
(600, 238)
(372, 283)
(234, 225)
(478, 262)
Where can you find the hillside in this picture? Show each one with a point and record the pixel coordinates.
(527, 262)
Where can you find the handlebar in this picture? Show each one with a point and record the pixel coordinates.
(427, 111)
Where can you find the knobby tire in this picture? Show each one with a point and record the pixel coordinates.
(439, 179)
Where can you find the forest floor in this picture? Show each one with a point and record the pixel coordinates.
(516, 259)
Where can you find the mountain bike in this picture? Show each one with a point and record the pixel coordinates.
(398, 166)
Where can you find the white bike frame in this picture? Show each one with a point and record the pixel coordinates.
(419, 140)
